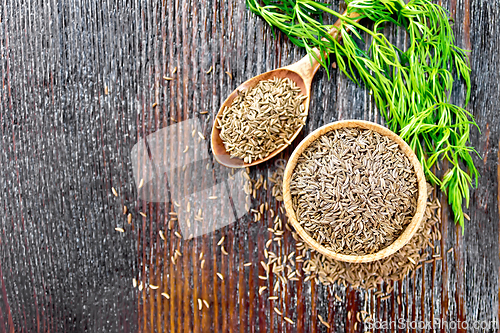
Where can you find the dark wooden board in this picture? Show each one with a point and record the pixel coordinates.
(78, 81)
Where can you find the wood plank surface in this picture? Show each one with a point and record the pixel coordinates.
(79, 79)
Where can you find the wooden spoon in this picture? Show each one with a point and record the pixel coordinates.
(301, 72)
(408, 232)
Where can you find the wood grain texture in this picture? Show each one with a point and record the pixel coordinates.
(78, 82)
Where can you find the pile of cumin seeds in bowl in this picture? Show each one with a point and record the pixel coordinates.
(354, 191)
(262, 119)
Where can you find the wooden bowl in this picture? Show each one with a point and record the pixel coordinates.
(410, 229)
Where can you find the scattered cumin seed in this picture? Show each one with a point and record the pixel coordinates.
(129, 218)
(220, 276)
(119, 229)
(140, 286)
(125, 210)
(175, 70)
(221, 241)
(202, 263)
(177, 234)
(114, 192)
(134, 282)
(200, 304)
(247, 264)
(412, 261)
(289, 320)
(204, 112)
(201, 136)
(210, 70)
(212, 197)
(167, 78)
(206, 304)
(223, 250)
(185, 149)
(154, 105)
(272, 298)
(230, 75)
(261, 289)
(167, 296)
(141, 183)
(161, 234)
(143, 214)
(152, 286)
(278, 311)
(377, 182)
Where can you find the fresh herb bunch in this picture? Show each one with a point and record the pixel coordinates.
(411, 88)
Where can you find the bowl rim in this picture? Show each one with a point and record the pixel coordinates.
(409, 231)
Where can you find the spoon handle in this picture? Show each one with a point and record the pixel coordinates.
(308, 66)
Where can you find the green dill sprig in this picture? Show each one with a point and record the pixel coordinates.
(411, 87)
